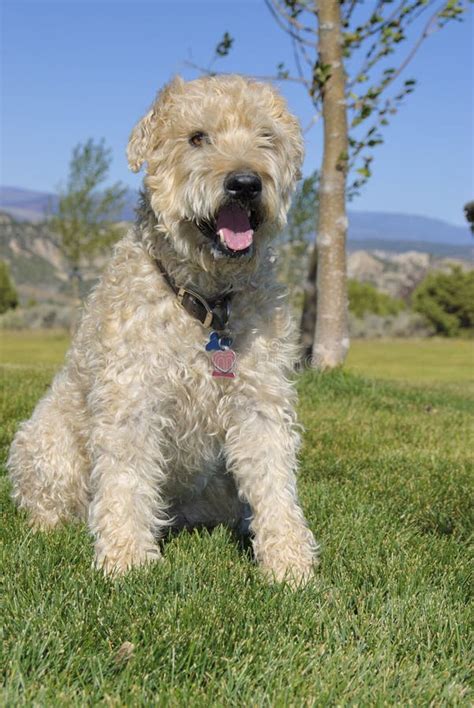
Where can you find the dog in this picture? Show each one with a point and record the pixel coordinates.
(175, 407)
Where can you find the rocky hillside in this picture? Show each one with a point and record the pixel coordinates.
(35, 261)
(398, 274)
(41, 274)
(392, 272)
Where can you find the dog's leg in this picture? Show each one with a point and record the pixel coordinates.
(261, 452)
(127, 511)
(48, 464)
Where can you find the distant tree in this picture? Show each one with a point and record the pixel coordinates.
(469, 214)
(364, 298)
(297, 238)
(87, 211)
(301, 222)
(8, 294)
(447, 301)
(301, 230)
(354, 110)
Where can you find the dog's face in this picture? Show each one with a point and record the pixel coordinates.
(223, 155)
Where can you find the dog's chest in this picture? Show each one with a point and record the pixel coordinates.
(191, 405)
(193, 401)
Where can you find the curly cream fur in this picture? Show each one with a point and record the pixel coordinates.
(135, 434)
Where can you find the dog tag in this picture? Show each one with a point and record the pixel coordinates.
(218, 341)
(223, 363)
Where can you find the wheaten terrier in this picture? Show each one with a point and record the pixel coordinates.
(175, 406)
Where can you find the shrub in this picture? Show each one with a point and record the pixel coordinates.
(446, 300)
(43, 316)
(365, 298)
(404, 324)
(8, 296)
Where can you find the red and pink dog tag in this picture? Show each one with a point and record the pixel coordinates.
(223, 358)
(223, 363)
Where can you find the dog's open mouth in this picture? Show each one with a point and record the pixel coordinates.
(232, 230)
(233, 227)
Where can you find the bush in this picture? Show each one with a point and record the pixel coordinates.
(365, 298)
(446, 300)
(8, 296)
(42, 316)
(404, 324)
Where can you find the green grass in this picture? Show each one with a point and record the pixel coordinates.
(33, 348)
(448, 363)
(386, 480)
(435, 362)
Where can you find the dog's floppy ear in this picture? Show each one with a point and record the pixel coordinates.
(144, 133)
(140, 141)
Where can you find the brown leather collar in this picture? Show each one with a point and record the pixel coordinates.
(213, 313)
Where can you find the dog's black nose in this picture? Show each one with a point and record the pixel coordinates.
(243, 185)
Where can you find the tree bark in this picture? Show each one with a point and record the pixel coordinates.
(76, 279)
(308, 316)
(331, 342)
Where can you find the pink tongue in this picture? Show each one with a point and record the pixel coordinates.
(234, 226)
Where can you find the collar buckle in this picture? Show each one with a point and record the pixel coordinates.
(198, 307)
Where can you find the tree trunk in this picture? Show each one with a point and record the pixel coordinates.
(308, 316)
(76, 279)
(331, 341)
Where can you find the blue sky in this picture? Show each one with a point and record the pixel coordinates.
(72, 69)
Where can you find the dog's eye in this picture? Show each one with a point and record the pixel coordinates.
(268, 138)
(198, 139)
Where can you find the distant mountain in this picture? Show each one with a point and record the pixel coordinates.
(28, 205)
(366, 229)
(41, 274)
(439, 250)
(369, 225)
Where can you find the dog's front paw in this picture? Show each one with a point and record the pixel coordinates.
(296, 575)
(113, 561)
(43, 522)
(290, 563)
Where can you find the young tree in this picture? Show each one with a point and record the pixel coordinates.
(331, 340)
(8, 295)
(300, 224)
(355, 106)
(85, 218)
(298, 237)
(300, 232)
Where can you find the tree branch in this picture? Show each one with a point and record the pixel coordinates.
(429, 28)
(385, 22)
(369, 63)
(291, 20)
(209, 72)
(312, 122)
(299, 68)
(286, 28)
(348, 14)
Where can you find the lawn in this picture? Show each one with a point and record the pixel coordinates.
(386, 482)
(435, 362)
